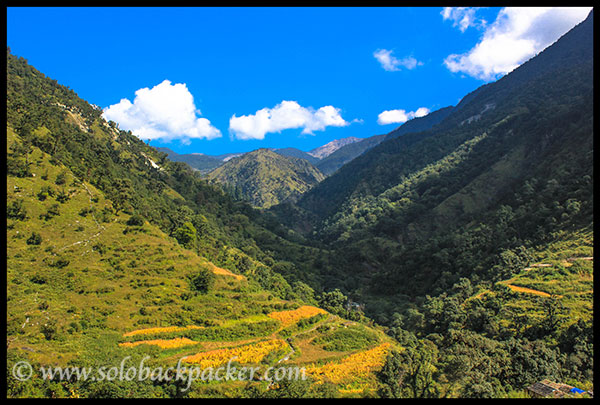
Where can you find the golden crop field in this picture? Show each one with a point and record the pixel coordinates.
(162, 343)
(292, 316)
(252, 353)
(357, 365)
(150, 331)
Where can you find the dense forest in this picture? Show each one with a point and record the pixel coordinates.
(457, 248)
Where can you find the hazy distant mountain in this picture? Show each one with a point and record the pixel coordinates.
(227, 156)
(297, 153)
(205, 163)
(265, 178)
(327, 149)
(348, 152)
(199, 161)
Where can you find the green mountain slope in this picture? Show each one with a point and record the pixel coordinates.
(422, 123)
(266, 178)
(512, 103)
(346, 153)
(470, 240)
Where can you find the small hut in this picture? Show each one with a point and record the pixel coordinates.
(549, 389)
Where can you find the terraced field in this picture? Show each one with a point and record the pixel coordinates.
(562, 272)
(351, 369)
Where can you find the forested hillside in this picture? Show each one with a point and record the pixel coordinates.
(265, 178)
(330, 147)
(492, 124)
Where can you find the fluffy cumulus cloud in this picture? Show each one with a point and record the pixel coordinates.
(391, 63)
(463, 17)
(400, 116)
(166, 111)
(518, 34)
(286, 115)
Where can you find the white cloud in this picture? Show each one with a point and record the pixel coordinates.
(421, 112)
(518, 34)
(286, 115)
(392, 64)
(400, 116)
(167, 111)
(463, 17)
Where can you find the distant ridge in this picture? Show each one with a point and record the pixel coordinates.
(327, 149)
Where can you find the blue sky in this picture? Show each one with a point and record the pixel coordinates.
(219, 80)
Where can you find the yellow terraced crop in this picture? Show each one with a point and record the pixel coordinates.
(252, 353)
(164, 329)
(162, 343)
(292, 316)
(357, 365)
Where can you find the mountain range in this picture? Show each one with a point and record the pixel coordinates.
(434, 225)
(317, 157)
(199, 161)
(265, 180)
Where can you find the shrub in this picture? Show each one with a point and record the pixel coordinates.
(135, 220)
(38, 279)
(58, 263)
(100, 248)
(186, 234)
(333, 301)
(34, 239)
(49, 331)
(203, 281)
(62, 197)
(51, 213)
(61, 178)
(45, 192)
(16, 210)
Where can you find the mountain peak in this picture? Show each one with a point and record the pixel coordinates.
(266, 178)
(327, 149)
